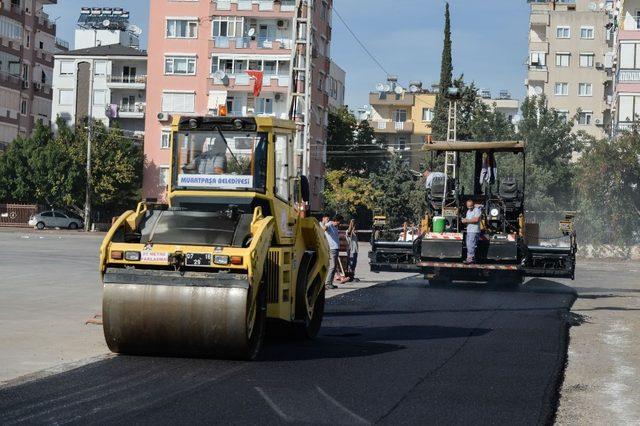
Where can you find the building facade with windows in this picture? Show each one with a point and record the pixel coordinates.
(626, 106)
(401, 120)
(107, 83)
(105, 79)
(571, 60)
(199, 55)
(27, 45)
(336, 85)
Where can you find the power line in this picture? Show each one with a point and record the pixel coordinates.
(360, 42)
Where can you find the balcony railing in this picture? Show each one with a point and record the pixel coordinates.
(249, 43)
(262, 5)
(127, 79)
(389, 126)
(139, 107)
(628, 76)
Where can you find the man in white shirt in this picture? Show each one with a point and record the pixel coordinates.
(333, 238)
(472, 220)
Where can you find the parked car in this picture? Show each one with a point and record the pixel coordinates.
(54, 219)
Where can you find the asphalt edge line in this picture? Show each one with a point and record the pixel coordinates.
(52, 371)
(557, 384)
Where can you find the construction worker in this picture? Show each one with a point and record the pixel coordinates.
(333, 238)
(472, 220)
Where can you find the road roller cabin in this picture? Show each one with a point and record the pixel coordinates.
(232, 248)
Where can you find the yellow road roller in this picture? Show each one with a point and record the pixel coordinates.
(231, 250)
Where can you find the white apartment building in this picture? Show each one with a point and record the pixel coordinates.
(336, 85)
(503, 103)
(570, 60)
(107, 79)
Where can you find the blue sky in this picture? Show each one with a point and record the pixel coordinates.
(489, 39)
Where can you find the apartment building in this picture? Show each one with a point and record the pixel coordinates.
(401, 118)
(336, 85)
(106, 77)
(626, 106)
(220, 41)
(503, 103)
(570, 60)
(27, 45)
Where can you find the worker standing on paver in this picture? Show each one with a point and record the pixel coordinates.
(333, 237)
(431, 176)
(472, 219)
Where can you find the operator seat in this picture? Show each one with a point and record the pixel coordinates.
(508, 189)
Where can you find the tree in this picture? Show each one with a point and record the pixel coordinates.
(550, 145)
(348, 194)
(403, 196)
(351, 146)
(441, 109)
(608, 189)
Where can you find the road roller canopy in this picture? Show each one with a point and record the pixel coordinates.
(505, 146)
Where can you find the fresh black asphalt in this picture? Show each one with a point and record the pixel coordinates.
(396, 353)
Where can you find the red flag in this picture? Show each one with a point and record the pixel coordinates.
(257, 84)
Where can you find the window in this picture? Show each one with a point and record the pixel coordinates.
(227, 26)
(23, 107)
(180, 65)
(65, 96)
(28, 41)
(100, 68)
(165, 138)
(427, 114)
(182, 28)
(563, 114)
(586, 60)
(178, 102)
(629, 55)
(562, 89)
(587, 33)
(163, 176)
(629, 108)
(400, 115)
(99, 97)
(282, 167)
(401, 143)
(10, 28)
(562, 59)
(584, 118)
(538, 59)
(585, 89)
(67, 67)
(41, 44)
(264, 106)
(563, 32)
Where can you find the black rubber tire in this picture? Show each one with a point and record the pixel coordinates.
(306, 326)
(254, 345)
(73, 225)
(40, 225)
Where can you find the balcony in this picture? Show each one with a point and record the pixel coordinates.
(629, 76)
(388, 126)
(62, 44)
(10, 45)
(10, 81)
(254, 8)
(539, 46)
(540, 19)
(44, 58)
(136, 110)
(242, 82)
(538, 73)
(42, 90)
(137, 82)
(391, 99)
(254, 44)
(44, 24)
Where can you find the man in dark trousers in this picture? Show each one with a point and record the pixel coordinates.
(333, 238)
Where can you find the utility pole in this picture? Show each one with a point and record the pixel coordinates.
(87, 197)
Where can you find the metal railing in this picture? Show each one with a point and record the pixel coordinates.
(140, 107)
(127, 79)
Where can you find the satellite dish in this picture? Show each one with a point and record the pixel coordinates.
(399, 90)
(134, 29)
(538, 90)
(413, 88)
(251, 32)
(106, 23)
(380, 87)
(593, 7)
(219, 75)
(387, 88)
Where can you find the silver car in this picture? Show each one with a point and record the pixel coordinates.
(54, 219)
